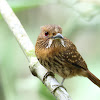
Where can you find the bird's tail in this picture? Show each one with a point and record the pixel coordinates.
(93, 78)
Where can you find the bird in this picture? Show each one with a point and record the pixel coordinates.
(60, 56)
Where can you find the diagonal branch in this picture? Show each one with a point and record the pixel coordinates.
(28, 49)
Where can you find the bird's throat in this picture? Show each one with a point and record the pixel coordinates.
(55, 43)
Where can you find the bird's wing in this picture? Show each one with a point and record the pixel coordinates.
(73, 56)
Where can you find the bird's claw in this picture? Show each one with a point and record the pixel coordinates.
(47, 74)
(58, 86)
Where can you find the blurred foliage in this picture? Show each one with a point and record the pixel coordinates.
(80, 20)
(18, 5)
(46, 93)
(22, 4)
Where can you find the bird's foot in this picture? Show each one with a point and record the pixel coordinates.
(47, 74)
(58, 86)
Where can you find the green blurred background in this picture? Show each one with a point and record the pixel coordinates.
(80, 20)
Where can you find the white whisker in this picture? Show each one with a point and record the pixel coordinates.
(49, 44)
(62, 42)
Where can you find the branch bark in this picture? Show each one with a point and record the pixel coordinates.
(28, 49)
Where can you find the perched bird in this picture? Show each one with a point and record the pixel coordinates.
(59, 55)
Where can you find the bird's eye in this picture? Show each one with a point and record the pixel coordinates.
(46, 33)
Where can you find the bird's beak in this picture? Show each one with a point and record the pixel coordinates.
(58, 36)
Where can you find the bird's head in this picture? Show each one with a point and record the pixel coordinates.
(51, 36)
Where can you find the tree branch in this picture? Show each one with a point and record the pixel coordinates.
(28, 49)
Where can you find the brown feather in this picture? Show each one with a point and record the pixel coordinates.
(63, 59)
